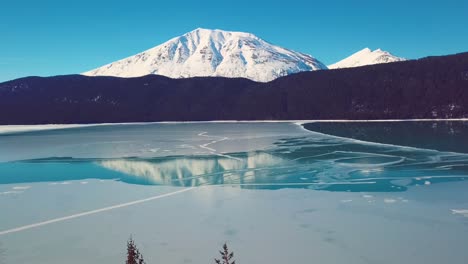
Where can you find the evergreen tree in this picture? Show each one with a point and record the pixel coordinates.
(133, 254)
(226, 257)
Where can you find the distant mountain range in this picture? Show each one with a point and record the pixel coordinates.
(205, 52)
(433, 87)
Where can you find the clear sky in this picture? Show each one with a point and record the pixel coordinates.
(51, 37)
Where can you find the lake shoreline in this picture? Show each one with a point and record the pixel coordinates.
(6, 129)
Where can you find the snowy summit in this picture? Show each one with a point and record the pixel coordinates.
(366, 57)
(205, 52)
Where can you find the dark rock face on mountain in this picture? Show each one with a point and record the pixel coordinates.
(433, 87)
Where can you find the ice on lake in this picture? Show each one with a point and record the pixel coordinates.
(275, 192)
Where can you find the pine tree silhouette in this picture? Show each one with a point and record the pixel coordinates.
(133, 254)
(225, 256)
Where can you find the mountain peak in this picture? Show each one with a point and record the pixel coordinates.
(366, 56)
(213, 52)
(208, 31)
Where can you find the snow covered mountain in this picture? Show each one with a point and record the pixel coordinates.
(205, 52)
(366, 57)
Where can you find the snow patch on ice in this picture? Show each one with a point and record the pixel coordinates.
(10, 192)
(462, 212)
(21, 187)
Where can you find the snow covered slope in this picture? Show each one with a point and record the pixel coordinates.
(366, 57)
(205, 52)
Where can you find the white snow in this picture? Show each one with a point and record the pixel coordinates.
(366, 57)
(389, 200)
(6, 129)
(21, 187)
(205, 52)
(463, 212)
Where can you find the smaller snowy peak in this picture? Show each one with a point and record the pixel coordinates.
(366, 57)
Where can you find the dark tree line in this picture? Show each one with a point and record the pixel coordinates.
(433, 87)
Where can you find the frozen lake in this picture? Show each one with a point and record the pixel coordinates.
(276, 192)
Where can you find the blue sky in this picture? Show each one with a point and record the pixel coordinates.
(51, 37)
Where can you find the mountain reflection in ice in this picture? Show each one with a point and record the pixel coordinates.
(197, 171)
(314, 162)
